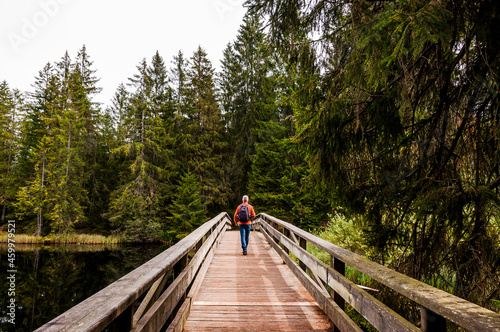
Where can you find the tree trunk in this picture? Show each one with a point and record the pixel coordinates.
(39, 218)
(9, 163)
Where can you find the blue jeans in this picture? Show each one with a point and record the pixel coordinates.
(245, 232)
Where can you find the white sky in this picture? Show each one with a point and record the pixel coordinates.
(118, 34)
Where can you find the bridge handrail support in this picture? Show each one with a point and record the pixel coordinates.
(114, 305)
(182, 315)
(436, 304)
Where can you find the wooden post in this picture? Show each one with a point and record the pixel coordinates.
(303, 245)
(124, 321)
(274, 225)
(286, 232)
(180, 265)
(432, 322)
(338, 266)
(198, 245)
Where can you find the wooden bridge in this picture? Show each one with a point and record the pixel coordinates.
(204, 283)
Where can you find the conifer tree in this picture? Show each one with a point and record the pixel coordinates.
(62, 147)
(179, 81)
(204, 132)
(161, 92)
(188, 211)
(136, 203)
(228, 81)
(401, 134)
(118, 112)
(11, 103)
(95, 154)
(31, 200)
(248, 96)
(66, 165)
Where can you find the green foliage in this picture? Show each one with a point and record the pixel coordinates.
(399, 125)
(142, 229)
(279, 185)
(77, 167)
(248, 97)
(346, 233)
(144, 149)
(11, 103)
(203, 134)
(187, 209)
(63, 119)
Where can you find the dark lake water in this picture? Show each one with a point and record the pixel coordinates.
(50, 280)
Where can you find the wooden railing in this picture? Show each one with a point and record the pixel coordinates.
(436, 306)
(156, 295)
(115, 306)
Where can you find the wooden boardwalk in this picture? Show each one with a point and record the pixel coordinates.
(256, 292)
(218, 288)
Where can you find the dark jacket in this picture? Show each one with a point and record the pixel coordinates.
(250, 210)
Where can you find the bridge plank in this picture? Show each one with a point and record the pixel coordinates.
(336, 314)
(180, 318)
(254, 292)
(466, 314)
(157, 315)
(99, 310)
(378, 314)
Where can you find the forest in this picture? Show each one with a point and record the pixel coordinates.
(378, 117)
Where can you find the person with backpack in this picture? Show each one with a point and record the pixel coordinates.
(243, 218)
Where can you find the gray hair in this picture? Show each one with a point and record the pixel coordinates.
(245, 198)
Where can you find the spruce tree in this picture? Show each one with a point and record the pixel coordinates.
(136, 205)
(11, 103)
(188, 211)
(66, 162)
(178, 78)
(59, 145)
(403, 132)
(118, 112)
(203, 132)
(248, 97)
(32, 196)
(95, 153)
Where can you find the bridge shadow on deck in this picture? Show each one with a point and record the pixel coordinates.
(256, 292)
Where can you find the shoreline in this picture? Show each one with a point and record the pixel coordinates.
(62, 239)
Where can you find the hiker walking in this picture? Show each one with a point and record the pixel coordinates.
(243, 218)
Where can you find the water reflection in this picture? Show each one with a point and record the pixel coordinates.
(52, 279)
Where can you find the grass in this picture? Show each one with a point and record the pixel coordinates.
(70, 248)
(62, 239)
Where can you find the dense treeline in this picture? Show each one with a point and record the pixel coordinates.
(384, 112)
(177, 144)
(400, 122)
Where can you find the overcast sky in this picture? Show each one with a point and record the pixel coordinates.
(118, 34)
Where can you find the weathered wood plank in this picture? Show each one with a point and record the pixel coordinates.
(336, 314)
(99, 310)
(378, 314)
(180, 319)
(464, 313)
(338, 266)
(152, 295)
(157, 315)
(253, 292)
